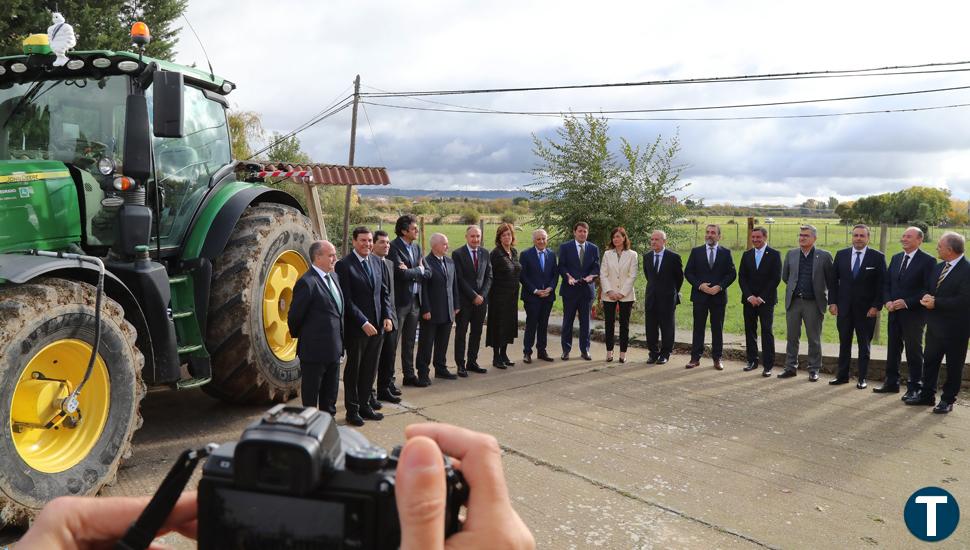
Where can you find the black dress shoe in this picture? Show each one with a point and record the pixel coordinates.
(499, 364)
(565, 357)
(389, 397)
(445, 374)
(527, 358)
(920, 400)
(370, 414)
(354, 419)
(662, 360)
(422, 382)
(886, 388)
(910, 394)
(943, 408)
(509, 363)
(787, 373)
(838, 381)
(545, 357)
(861, 384)
(394, 389)
(813, 376)
(374, 403)
(476, 368)
(462, 372)
(587, 357)
(651, 360)
(766, 373)
(410, 382)
(750, 366)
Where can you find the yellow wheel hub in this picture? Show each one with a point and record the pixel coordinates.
(277, 296)
(48, 378)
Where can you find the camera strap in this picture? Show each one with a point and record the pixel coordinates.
(141, 533)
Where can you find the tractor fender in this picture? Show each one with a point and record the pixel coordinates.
(20, 268)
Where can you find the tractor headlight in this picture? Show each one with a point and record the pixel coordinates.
(106, 166)
(128, 66)
(101, 62)
(75, 64)
(18, 68)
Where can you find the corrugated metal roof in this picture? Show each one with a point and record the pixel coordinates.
(333, 174)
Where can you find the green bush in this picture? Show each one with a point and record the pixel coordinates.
(509, 217)
(470, 217)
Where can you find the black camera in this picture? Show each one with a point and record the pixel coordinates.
(297, 480)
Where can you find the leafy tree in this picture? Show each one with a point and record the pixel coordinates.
(286, 150)
(578, 178)
(102, 25)
(470, 217)
(245, 130)
(959, 213)
(833, 203)
(921, 203)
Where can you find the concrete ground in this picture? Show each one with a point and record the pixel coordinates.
(609, 455)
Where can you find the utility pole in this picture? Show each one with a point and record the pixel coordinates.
(353, 143)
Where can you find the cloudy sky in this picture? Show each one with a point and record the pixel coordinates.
(293, 58)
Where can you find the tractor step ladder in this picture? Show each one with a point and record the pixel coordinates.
(187, 330)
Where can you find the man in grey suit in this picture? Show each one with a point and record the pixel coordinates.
(808, 274)
(439, 306)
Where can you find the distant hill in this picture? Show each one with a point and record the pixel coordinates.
(367, 191)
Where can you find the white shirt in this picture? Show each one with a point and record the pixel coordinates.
(579, 248)
(661, 254)
(862, 257)
(326, 277)
(952, 263)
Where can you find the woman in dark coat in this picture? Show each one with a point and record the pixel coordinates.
(503, 301)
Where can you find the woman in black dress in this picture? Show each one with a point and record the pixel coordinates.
(503, 301)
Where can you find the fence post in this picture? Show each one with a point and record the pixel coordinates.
(421, 231)
(883, 234)
(826, 240)
(737, 235)
(750, 229)
(693, 241)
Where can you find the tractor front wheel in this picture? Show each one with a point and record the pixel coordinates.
(46, 339)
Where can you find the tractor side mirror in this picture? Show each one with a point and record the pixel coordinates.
(169, 113)
(137, 160)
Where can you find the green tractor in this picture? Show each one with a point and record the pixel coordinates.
(134, 252)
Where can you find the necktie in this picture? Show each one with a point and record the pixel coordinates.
(757, 258)
(370, 274)
(582, 253)
(857, 264)
(656, 262)
(905, 264)
(475, 259)
(946, 269)
(542, 261)
(710, 257)
(333, 293)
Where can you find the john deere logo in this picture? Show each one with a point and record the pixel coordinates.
(26, 192)
(931, 514)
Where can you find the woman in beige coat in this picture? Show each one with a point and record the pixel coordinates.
(618, 271)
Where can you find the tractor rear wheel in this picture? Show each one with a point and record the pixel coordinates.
(253, 355)
(46, 339)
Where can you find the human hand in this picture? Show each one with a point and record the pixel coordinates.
(420, 491)
(928, 301)
(457, 311)
(890, 306)
(834, 309)
(99, 522)
(388, 325)
(704, 287)
(426, 316)
(570, 280)
(369, 329)
(900, 304)
(402, 266)
(589, 278)
(478, 300)
(872, 312)
(715, 289)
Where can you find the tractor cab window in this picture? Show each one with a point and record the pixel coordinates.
(74, 121)
(184, 166)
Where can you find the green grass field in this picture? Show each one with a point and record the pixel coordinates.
(783, 235)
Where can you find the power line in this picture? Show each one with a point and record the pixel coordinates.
(675, 109)
(661, 119)
(373, 136)
(306, 126)
(877, 71)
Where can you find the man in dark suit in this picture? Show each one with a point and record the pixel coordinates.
(665, 275)
(579, 266)
(907, 281)
(409, 275)
(855, 299)
(710, 270)
(947, 323)
(385, 367)
(539, 277)
(439, 296)
(367, 315)
(807, 273)
(474, 271)
(759, 275)
(316, 314)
